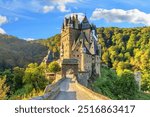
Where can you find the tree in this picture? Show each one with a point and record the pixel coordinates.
(9, 80)
(18, 74)
(106, 83)
(146, 81)
(3, 88)
(126, 86)
(54, 67)
(131, 42)
(34, 78)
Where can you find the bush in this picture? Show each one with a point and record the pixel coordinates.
(34, 77)
(123, 87)
(106, 84)
(126, 87)
(54, 67)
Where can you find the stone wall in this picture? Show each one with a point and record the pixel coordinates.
(83, 78)
(95, 95)
(50, 92)
(58, 76)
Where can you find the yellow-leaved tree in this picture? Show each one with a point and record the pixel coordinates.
(3, 88)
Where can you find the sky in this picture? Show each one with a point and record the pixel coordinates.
(40, 19)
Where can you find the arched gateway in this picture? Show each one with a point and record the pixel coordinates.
(69, 64)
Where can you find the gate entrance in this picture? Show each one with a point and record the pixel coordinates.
(69, 66)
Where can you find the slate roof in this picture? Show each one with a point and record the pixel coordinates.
(82, 39)
(94, 48)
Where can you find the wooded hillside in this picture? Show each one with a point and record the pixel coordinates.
(127, 49)
(17, 52)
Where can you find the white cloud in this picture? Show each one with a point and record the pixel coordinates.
(44, 6)
(47, 9)
(3, 20)
(61, 4)
(62, 8)
(118, 15)
(29, 39)
(80, 15)
(2, 31)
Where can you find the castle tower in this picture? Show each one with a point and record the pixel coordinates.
(79, 41)
(69, 33)
(66, 39)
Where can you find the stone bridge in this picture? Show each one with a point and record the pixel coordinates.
(69, 89)
(68, 86)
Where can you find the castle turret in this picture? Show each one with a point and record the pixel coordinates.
(68, 36)
(66, 22)
(70, 23)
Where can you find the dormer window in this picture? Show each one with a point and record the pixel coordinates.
(83, 50)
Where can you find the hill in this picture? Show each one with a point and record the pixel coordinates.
(18, 52)
(125, 48)
(53, 43)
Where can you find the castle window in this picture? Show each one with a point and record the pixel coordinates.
(77, 55)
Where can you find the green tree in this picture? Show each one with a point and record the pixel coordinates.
(126, 86)
(106, 83)
(131, 42)
(34, 78)
(18, 74)
(54, 67)
(146, 81)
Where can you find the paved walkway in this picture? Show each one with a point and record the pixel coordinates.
(70, 91)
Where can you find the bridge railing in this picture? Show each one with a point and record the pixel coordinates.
(90, 92)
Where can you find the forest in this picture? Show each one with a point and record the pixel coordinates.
(123, 52)
(17, 52)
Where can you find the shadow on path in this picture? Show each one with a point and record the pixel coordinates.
(66, 95)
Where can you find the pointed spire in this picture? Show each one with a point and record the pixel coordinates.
(73, 17)
(85, 19)
(85, 23)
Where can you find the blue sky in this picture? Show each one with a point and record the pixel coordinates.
(35, 19)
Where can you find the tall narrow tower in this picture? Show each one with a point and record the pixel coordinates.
(69, 33)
